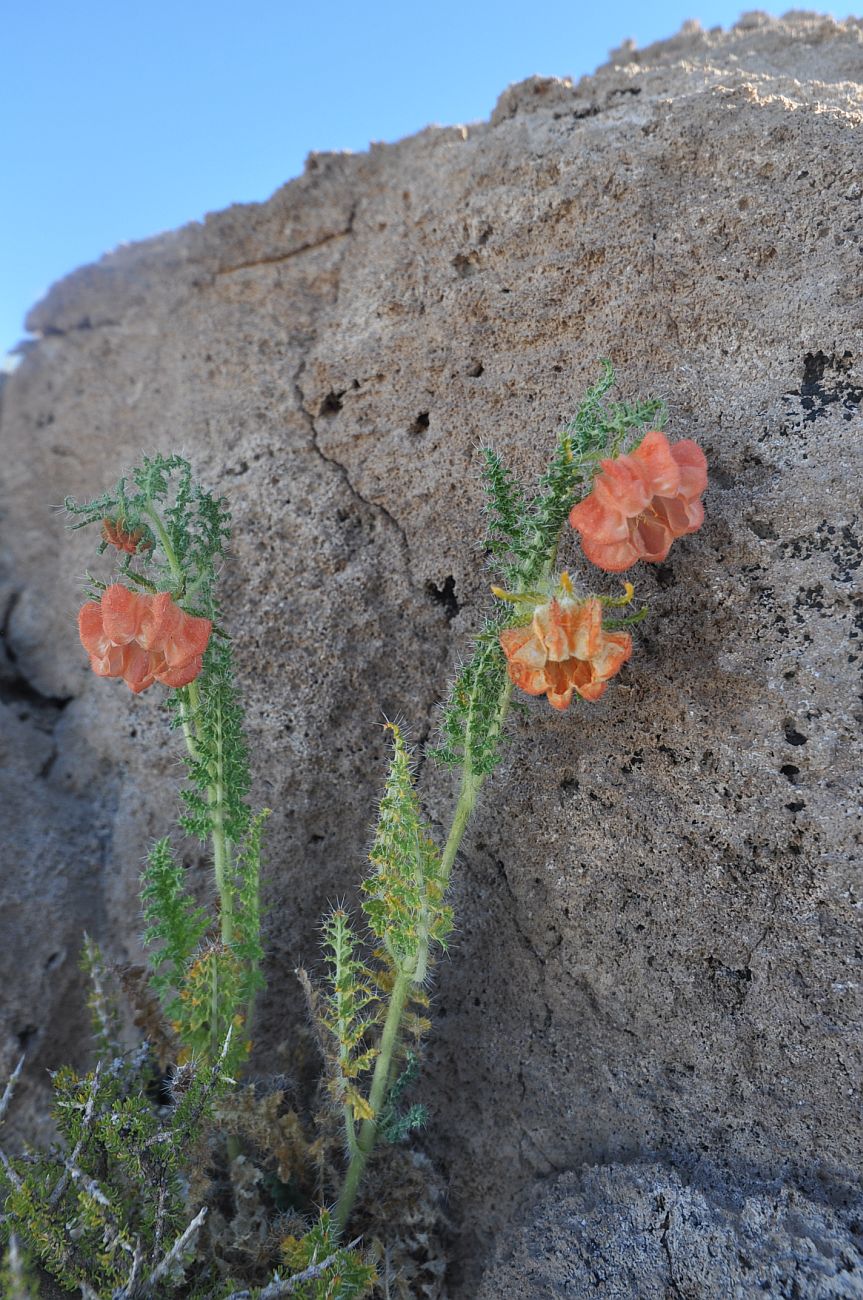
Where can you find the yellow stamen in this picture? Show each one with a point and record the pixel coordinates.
(518, 597)
(617, 601)
(566, 583)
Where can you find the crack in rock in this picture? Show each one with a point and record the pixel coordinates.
(293, 252)
(346, 478)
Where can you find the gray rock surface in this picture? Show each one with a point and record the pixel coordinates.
(658, 905)
(637, 1233)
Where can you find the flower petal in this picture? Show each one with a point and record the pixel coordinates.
(90, 628)
(122, 612)
(613, 557)
(182, 674)
(593, 519)
(692, 463)
(137, 669)
(653, 459)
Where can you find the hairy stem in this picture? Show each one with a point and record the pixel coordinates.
(377, 1097)
(471, 784)
(190, 711)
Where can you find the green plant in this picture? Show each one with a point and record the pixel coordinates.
(150, 1157)
(411, 876)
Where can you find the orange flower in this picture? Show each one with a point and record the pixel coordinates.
(114, 532)
(564, 650)
(143, 639)
(641, 502)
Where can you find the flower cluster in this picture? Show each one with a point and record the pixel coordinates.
(115, 533)
(565, 650)
(143, 639)
(639, 503)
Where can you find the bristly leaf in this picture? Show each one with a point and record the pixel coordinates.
(506, 508)
(404, 894)
(102, 1005)
(349, 1012)
(395, 1125)
(220, 745)
(175, 924)
(247, 904)
(184, 529)
(348, 1277)
(470, 724)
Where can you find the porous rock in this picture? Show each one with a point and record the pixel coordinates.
(658, 904)
(636, 1232)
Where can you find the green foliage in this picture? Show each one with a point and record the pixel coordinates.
(471, 719)
(350, 1011)
(203, 987)
(394, 1125)
(16, 1277)
(167, 507)
(104, 1012)
(181, 531)
(347, 1275)
(210, 1003)
(404, 895)
(219, 755)
(174, 924)
(521, 540)
(103, 1211)
(246, 890)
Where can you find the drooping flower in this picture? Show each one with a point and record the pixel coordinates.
(143, 639)
(116, 534)
(641, 502)
(564, 650)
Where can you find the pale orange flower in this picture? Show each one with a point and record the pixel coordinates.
(641, 502)
(114, 532)
(565, 650)
(143, 639)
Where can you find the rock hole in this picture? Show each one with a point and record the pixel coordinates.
(26, 1035)
(664, 574)
(332, 403)
(796, 805)
(465, 264)
(476, 370)
(569, 785)
(764, 529)
(792, 735)
(420, 424)
(54, 960)
(790, 771)
(315, 839)
(445, 596)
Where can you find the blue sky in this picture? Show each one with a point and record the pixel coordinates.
(121, 121)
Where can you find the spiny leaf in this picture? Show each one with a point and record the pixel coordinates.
(404, 894)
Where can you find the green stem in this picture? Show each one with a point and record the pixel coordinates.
(377, 1097)
(350, 1130)
(471, 784)
(190, 710)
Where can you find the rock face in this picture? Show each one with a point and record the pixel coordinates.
(658, 905)
(636, 1233)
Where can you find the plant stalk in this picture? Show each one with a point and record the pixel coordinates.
(216, 784)
(377, 1097)
(471, 784)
